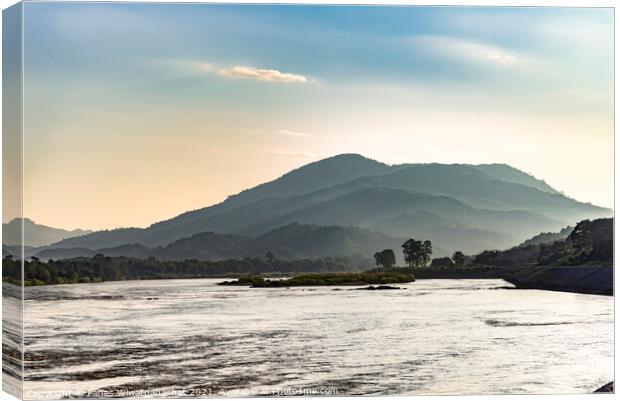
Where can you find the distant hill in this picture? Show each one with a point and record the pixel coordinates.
(477, 189)
(15, 250)
(458, 206)
(35, 234)
(407, 214)
(504, 172)
(293, 241)
(130, 250)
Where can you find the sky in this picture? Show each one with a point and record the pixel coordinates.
(135, 113)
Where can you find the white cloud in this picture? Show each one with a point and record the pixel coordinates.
(261, 74)
(465, 50)
(293, 133)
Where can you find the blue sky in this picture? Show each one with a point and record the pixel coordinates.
(207, 100)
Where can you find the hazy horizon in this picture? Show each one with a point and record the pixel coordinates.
(157, 109)
(256, 184)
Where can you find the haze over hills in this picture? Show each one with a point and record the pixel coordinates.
(457, 206)
(293, 241)
(35, 234)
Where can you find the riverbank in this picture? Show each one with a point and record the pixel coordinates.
(578, 279)
(594, 280)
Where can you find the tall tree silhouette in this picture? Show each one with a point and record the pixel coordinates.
(417, 253)
(426, 252)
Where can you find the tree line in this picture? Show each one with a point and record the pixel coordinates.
(417, 254)
(591, 242)
(104, 268)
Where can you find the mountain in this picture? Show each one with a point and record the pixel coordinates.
(476, 188)
(35, 234)
(312, 177)
(408, 214)
(16, 250)
(293, 241)
(296, 240)
(206, 246)
(504, 172)
(457, 206)
(130, 250)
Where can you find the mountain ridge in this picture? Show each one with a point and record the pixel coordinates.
(293, 241)
(296, 193)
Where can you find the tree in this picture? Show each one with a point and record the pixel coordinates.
(379, 259)
(386, 258)
(581, 237)
(417, 253)
(459, 258)
(486, 258)
(411, 249)
(426, 252)
(592, 241)
(11, 268)
(99, 265)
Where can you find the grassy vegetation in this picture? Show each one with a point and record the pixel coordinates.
(391, 276)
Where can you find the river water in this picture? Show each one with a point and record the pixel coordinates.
(194, 338)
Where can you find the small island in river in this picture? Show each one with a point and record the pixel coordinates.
(392, 276)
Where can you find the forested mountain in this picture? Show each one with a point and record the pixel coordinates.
(590, 242)
(546, 238)
(457, 206)
(293, 241)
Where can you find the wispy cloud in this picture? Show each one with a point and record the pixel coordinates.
(293, 133)
(261, 74)
(466, 50)
(179, 66)
(206, 66)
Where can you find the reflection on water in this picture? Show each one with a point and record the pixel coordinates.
(434, 337)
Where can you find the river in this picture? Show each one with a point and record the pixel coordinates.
(192, 337)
